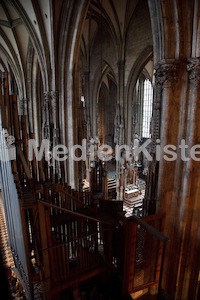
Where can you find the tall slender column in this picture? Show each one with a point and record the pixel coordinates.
(178, 181)
(119, 123)
(169, 127)
(163, 93)
(23, 105)
(45, 116)
(55, 133)
(88, 104)
(189, 210)
(54, 101)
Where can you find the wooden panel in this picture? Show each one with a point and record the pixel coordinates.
(45, 254)
(129, 259)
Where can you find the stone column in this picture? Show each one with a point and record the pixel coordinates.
(189, 210)
(54, 101)
(88, 104)
(45, 116)
(165, 76)
(23, 105)
(119, 117)
(55, 132)
(50, 130)
(121, 68)
(178, 181)
(168, 131)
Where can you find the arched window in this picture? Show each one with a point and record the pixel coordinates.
(147, 108)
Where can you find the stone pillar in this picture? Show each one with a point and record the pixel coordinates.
(56, 132)
(88, 104)
(163, 186)
(165, 76)
(23, 105)
(120, 101)
(189, 209)
(54, 101)
(178, 181)
(168, 131)
(45, 116)
(118, 140)
(50, 130)
(121, 69)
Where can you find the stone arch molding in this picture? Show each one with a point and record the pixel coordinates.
(100, 74)
(142, 60)
(43, 62)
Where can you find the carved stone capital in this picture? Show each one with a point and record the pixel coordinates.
(46, 131)
(166, 73)
(56, 132)
(54, 94)
(193, 69)
(50, 100)
(54, 98)
(47, 96)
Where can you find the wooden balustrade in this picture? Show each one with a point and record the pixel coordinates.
(73, 257)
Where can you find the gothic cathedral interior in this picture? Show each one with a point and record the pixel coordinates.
(100, 149)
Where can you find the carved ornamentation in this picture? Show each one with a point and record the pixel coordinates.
(118, 127)
(166, 73)
(88, 125)
(49, 112)
(46, 132)
(54, 98)
(193, 69)
(47, 97)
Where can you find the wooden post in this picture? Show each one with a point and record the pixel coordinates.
(45, 254)
(129, 259)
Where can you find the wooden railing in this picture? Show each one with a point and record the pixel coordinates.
(144, 253)
(72, 235)
(73, 257)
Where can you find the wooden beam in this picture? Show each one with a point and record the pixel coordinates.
(77, 279)
(45, 254)
(72, 212)
(24, 162)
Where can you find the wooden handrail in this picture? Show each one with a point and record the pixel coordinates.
(73, 212)
(63, 190)
(81, 237)
(161, 237)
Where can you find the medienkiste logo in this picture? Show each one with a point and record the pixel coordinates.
(94, 149)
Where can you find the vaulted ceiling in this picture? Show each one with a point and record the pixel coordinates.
(112, 15)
